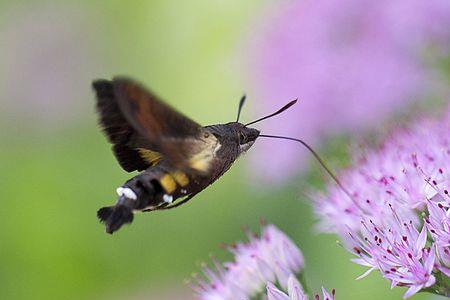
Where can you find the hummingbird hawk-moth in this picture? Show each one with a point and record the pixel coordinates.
(177, 157)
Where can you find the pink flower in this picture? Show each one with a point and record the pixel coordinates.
(261, 262)
(438, 224)
(399, 193)
(353, 63)
(398, 251)
(273, 257)
(295, 292)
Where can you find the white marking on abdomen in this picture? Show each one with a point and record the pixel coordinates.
(168, 198)
(127, 192)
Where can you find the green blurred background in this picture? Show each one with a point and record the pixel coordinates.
(57, 168)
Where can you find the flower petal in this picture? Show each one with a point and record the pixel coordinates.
(273, 293)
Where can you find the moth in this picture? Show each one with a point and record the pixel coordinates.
(177, 157)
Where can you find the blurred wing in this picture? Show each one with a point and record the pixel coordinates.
(143, 129)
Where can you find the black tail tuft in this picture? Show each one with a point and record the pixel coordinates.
(114, 217)
(104, 213)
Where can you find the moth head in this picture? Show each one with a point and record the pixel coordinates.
(246, 136)
(234, 135)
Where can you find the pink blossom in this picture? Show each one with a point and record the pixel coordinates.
(398, 251)
(399, 193)
(295, 292)
(273, 257)
(438, 224)
(269, 261)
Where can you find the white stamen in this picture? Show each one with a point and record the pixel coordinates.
(183, 191)
(168, 198)
(127, 192)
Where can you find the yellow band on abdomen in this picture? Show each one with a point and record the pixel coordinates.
(181, 178)
(168, 183)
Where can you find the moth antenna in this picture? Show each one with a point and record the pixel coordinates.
(275, 113)
(317, 157)
(241, 104)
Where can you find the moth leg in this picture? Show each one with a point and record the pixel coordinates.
(179, 203)
(164, 206)
(161, 206)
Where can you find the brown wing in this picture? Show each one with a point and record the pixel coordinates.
(143, 129)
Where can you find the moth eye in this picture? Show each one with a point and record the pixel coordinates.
(206, 135)
(241, 137)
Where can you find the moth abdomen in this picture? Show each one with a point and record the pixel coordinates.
(155, 188)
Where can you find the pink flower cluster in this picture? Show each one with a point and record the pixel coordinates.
(295, 292)
(259, 263)
(397, 218)
(351, 63)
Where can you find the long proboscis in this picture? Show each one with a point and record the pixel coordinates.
(316, 156)
(275, 113)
